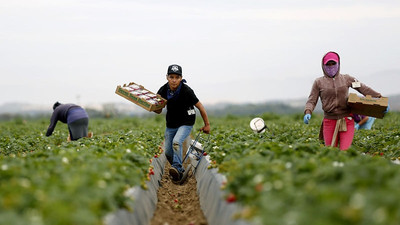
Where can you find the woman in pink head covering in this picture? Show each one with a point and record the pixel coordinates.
(333, 89)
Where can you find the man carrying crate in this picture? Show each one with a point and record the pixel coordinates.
(180, 117)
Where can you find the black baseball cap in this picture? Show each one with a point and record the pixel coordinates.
(174, 69)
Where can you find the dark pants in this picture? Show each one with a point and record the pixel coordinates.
(78, 128)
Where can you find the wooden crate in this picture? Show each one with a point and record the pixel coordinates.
(141, 96)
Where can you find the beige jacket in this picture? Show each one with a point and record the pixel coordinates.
(334, 93)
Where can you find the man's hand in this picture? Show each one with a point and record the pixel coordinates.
(206, 129)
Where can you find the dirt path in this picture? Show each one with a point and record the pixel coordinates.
(178, 204)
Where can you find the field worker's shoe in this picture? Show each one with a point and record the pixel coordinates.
(174, 173)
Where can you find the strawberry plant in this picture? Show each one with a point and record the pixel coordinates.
(283, 176)
(287, 176)
(48, 180)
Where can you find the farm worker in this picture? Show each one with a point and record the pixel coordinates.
(76, 118)
(363, 122)
(333, 89)
(180, 117)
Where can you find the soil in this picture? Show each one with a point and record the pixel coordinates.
(178, 204)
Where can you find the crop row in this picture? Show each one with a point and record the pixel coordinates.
(287, 176)
(47, 180)
(282, 176)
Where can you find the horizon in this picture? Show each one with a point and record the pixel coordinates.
(126, 104)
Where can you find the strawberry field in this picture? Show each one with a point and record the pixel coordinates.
(282, 176)
(47, 180)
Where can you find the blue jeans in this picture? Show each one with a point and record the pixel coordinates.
(174, 138)
(78, 128)
(367, 125)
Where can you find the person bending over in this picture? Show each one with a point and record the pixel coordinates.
(73, 115)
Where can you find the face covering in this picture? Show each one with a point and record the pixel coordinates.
(331, 70)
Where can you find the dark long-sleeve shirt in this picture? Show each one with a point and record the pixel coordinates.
(65, 113)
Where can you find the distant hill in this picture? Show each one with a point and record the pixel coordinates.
(254, 109)
(278, 107)
(9, 110)
(24, 109)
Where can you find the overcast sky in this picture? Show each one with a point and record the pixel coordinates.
(230, 50)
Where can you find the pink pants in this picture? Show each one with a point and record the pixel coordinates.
(345, 138)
